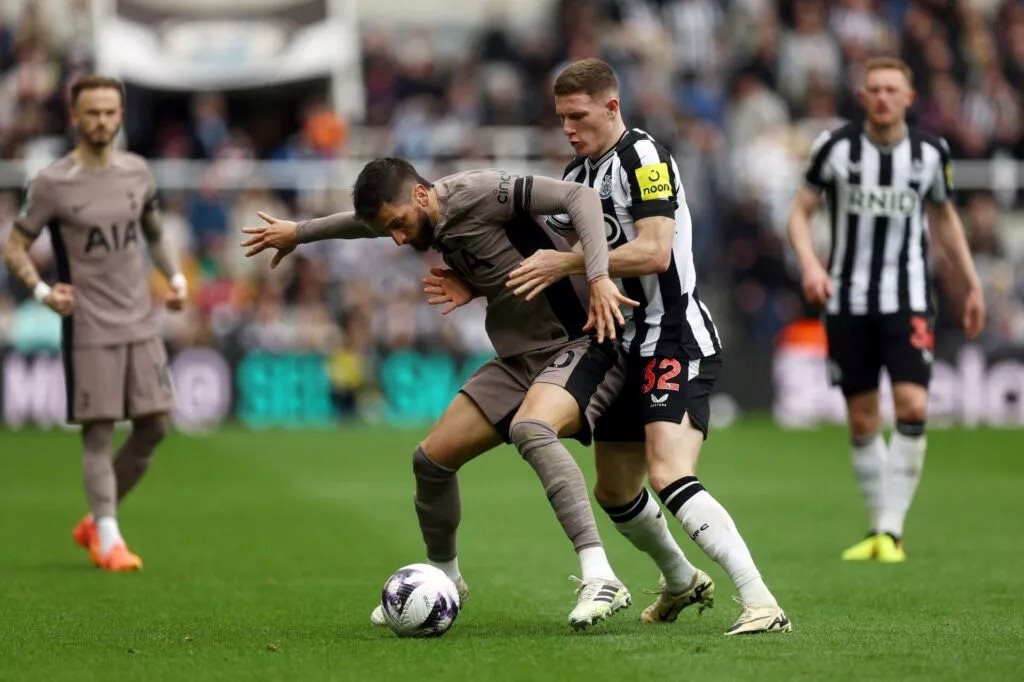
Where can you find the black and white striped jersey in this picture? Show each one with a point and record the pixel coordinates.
(875, 195)
(639, 179)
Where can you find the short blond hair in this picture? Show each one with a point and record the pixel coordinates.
(876, 63)
(592, 76)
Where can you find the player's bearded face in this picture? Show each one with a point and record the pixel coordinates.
(408, 224)
(423, 235)
(97, 116)
(886, 96)
(587, 122)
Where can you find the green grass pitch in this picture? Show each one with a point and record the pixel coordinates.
(265, 552)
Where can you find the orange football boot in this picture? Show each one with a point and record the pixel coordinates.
(84, 534)
(119, 559)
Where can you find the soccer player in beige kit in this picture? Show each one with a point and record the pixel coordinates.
(549, 380)
(100, 204)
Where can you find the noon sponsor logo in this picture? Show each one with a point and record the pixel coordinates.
(654, 181)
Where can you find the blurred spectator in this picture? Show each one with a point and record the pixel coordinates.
(808, 52)
(209, 111)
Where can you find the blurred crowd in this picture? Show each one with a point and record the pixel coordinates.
(738, 89)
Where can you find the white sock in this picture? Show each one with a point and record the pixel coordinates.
(710, 526)
(903, 473)
(450, 568)
(109, 533)
(870, 457)
(643, 524)
(594, 564)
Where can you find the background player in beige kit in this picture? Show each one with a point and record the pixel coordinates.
(100, 204)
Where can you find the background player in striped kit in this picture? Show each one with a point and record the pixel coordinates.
(888, 188)
(549, 378)
(96, 200)
(658, 424)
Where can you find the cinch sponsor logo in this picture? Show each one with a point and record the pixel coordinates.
(882, 201)
(653, 180)
(502, 192)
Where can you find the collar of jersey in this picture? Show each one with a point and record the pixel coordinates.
(882, 147)
(604, 157)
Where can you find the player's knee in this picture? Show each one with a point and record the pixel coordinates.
(661, 477)
(435, 448)
(912, 411)
(530, 434)
(97, 436)
(612, 493)
(864, 423)
(151, 431)
(425, 466)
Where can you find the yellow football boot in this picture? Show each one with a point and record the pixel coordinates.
(865, 550)
(889, 550)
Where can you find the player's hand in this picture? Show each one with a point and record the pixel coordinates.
(535, 274)
(444, 286)
(179, 293)
(282, 235)
(817, 285)
(604, 314)
(61, 299)
(974, 312)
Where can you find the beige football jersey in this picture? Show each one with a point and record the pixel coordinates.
(95, 217)
(486, 230)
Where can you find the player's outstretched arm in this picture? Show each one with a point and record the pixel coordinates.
(817, 285)
(60, 298)
(285, 235)
(444, 287)
(948, 232)
(164, 258)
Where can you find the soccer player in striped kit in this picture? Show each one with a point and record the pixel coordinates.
(656, 427)
(888, 189)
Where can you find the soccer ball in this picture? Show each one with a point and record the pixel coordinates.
(419, 600)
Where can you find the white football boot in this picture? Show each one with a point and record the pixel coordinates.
(377, 615)
(667, 607)
(597, 599)
(754, 620)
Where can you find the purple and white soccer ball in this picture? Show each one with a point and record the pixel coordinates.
(419, 600)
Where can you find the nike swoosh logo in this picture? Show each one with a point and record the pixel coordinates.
(748, 622)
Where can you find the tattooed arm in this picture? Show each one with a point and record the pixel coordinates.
(163, 257)
(60, 298)
(17, 260)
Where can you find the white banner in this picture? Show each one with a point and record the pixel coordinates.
(219, 47)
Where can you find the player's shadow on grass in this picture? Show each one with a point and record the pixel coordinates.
(51, 568)
(487, 629)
